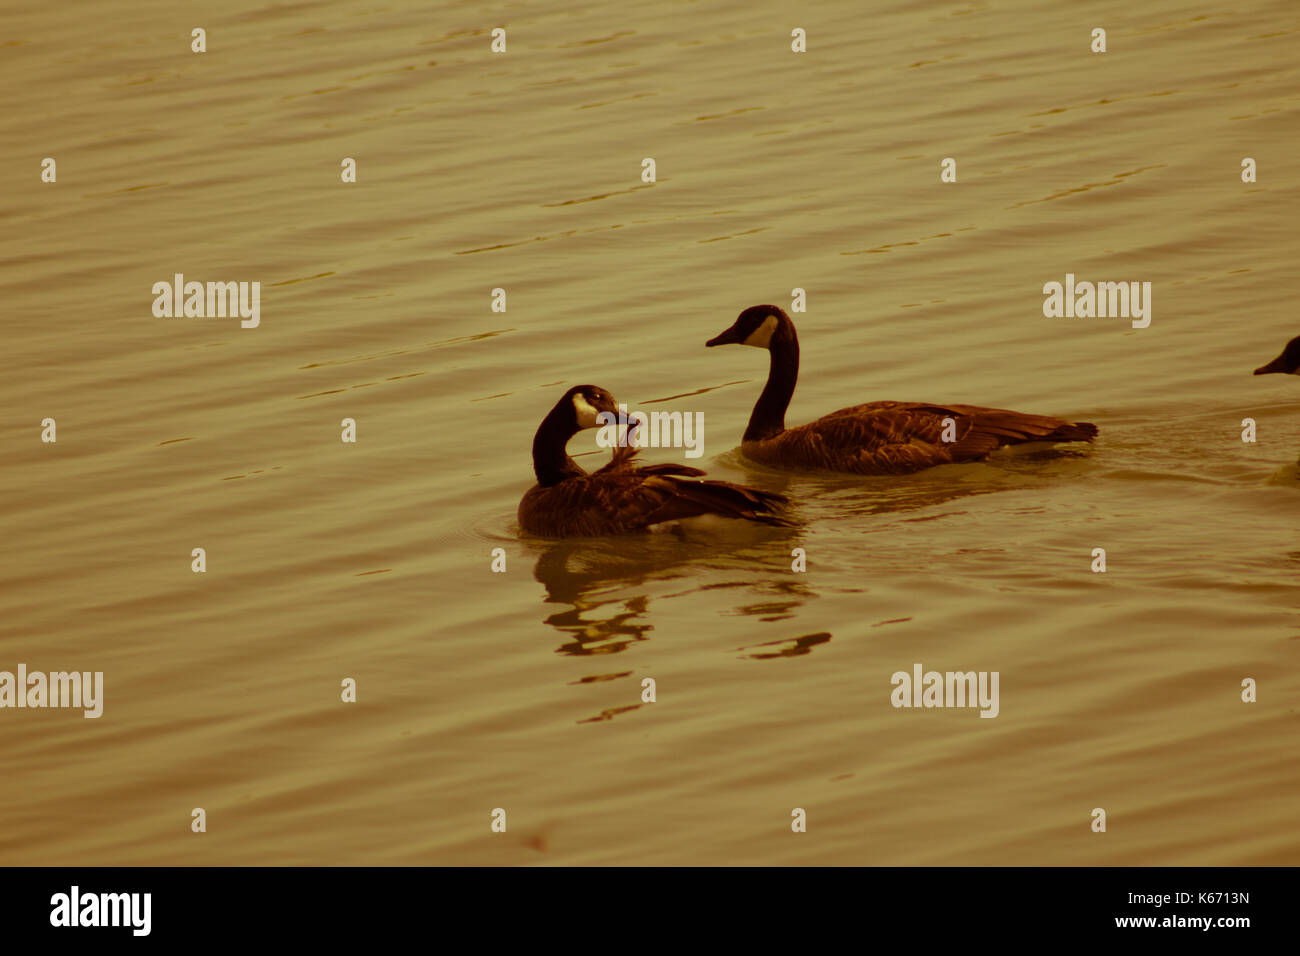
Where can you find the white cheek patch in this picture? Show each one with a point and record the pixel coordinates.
(761, 337)
(586, 413)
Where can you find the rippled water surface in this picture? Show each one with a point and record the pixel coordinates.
(522, 690)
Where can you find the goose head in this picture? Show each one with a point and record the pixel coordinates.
(581, 407)
(755, 326)
(1287, 363)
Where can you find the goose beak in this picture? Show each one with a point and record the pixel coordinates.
(618, 417)
(1273, 366)
(726, 338)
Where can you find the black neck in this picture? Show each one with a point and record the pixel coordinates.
(551, 462)
(768, 418)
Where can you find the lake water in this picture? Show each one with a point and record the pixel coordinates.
(522, 690)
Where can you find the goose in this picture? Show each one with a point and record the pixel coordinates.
(1288, 362)
(878, 438)
(622, 497)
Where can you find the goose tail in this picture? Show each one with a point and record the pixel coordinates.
(736, 501)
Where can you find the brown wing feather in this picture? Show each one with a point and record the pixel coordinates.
(622, 498)
(624, 460)
(892, 438)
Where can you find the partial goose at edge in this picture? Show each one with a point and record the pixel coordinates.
(1288, 363)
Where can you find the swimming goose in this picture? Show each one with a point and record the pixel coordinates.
(621, 497)
(878, 438)
(1288, 362)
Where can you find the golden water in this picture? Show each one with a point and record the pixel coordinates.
(521, 690)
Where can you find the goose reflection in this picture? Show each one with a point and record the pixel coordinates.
(606, 584)
(825, 491)
(599, 590)
(588, 576)
(787, 646)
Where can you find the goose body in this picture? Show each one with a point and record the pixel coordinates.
(1288, 363)
(876, 438)
(623, 497)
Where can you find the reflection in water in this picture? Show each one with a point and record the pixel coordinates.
(798, 646)
(575, 573)
(597, 678)
(605, 584)
(1010, 469)
(610, 713)
(798, 594)
(602, 581)
(595, 576)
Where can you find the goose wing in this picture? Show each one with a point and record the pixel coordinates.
(623, 461)
(903, 437)
(633, 499)
(660, 496)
